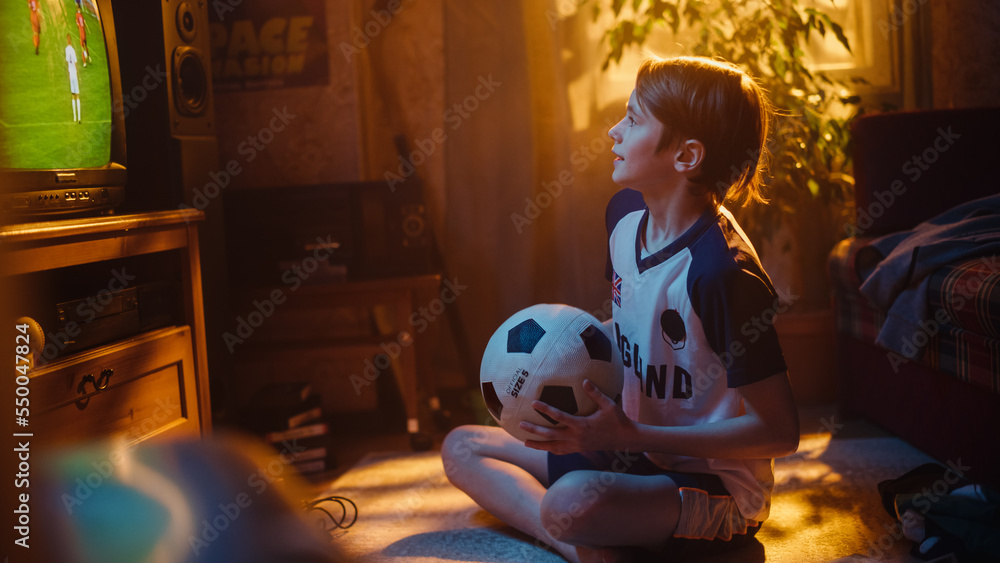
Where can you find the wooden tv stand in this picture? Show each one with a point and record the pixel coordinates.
(148, 385)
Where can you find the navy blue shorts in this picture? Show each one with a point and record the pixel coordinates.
(629, 464)
(694, 487)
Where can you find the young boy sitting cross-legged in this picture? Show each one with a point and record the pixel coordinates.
(686, 458)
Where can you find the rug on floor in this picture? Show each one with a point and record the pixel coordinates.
(825, 508)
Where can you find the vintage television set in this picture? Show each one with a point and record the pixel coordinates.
(60, 154)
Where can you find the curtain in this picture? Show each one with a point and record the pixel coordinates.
(527, 180)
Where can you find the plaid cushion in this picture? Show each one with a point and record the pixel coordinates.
(963, 354)
(970, 357)
(842, 264)
(856, 316)
(969, 293)
(967, 348)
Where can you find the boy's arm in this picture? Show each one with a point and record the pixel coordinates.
(769, 429)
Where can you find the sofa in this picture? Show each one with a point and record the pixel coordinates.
(939, 387)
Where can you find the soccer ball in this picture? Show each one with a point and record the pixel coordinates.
(544, 353)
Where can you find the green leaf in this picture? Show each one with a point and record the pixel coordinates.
(780, 67)
(804, 72)
(839, 32)
(654, 11)
(675, 17)
(630, 32)
(692, 11)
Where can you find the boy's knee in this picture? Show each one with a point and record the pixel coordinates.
(458, 448)
(570, 508)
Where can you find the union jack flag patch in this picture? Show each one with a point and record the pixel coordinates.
(616, 288)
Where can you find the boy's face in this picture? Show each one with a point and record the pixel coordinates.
(639, 164)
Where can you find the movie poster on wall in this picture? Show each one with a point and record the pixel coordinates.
(264, 45)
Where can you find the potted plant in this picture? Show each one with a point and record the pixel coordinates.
(810, 187)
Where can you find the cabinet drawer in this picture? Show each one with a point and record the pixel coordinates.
(134, 390)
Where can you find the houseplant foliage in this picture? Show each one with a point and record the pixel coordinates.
(809, 183)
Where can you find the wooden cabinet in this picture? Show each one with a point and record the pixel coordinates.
(147, 384)
(135, 389)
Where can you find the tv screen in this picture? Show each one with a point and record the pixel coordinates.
(61, 141)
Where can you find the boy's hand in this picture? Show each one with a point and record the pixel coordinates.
(607, 428)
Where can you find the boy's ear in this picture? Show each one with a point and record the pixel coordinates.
(690, 154)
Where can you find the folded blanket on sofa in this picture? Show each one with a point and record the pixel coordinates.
(899, 282)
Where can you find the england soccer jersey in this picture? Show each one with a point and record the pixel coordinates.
(689, 323)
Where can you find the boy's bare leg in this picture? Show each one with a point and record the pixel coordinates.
(591, 509)
(602, 509)
(504, 477)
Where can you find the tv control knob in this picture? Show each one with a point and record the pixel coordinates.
(35, 337)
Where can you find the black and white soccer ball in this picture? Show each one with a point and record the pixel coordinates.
(544, 353)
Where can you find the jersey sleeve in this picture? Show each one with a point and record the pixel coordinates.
(622, 203)
(737, 308)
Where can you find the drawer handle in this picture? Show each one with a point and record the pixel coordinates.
(100, 384)
(102, 380)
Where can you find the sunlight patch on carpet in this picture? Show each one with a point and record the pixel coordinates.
(407, 510)
(825, 507)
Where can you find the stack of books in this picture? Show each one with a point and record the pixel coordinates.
(289, 416)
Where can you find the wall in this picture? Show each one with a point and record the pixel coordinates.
(966, 53)
(401, 85)
(318, 140)
(386, 65)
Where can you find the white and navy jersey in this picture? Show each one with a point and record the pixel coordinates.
(688, 320)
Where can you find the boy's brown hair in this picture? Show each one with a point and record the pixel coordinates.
(718, 104)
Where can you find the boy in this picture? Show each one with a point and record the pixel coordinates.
(687, 458)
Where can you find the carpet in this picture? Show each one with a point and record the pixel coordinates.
(825, 508)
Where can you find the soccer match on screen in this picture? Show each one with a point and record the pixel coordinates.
(55, 97)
